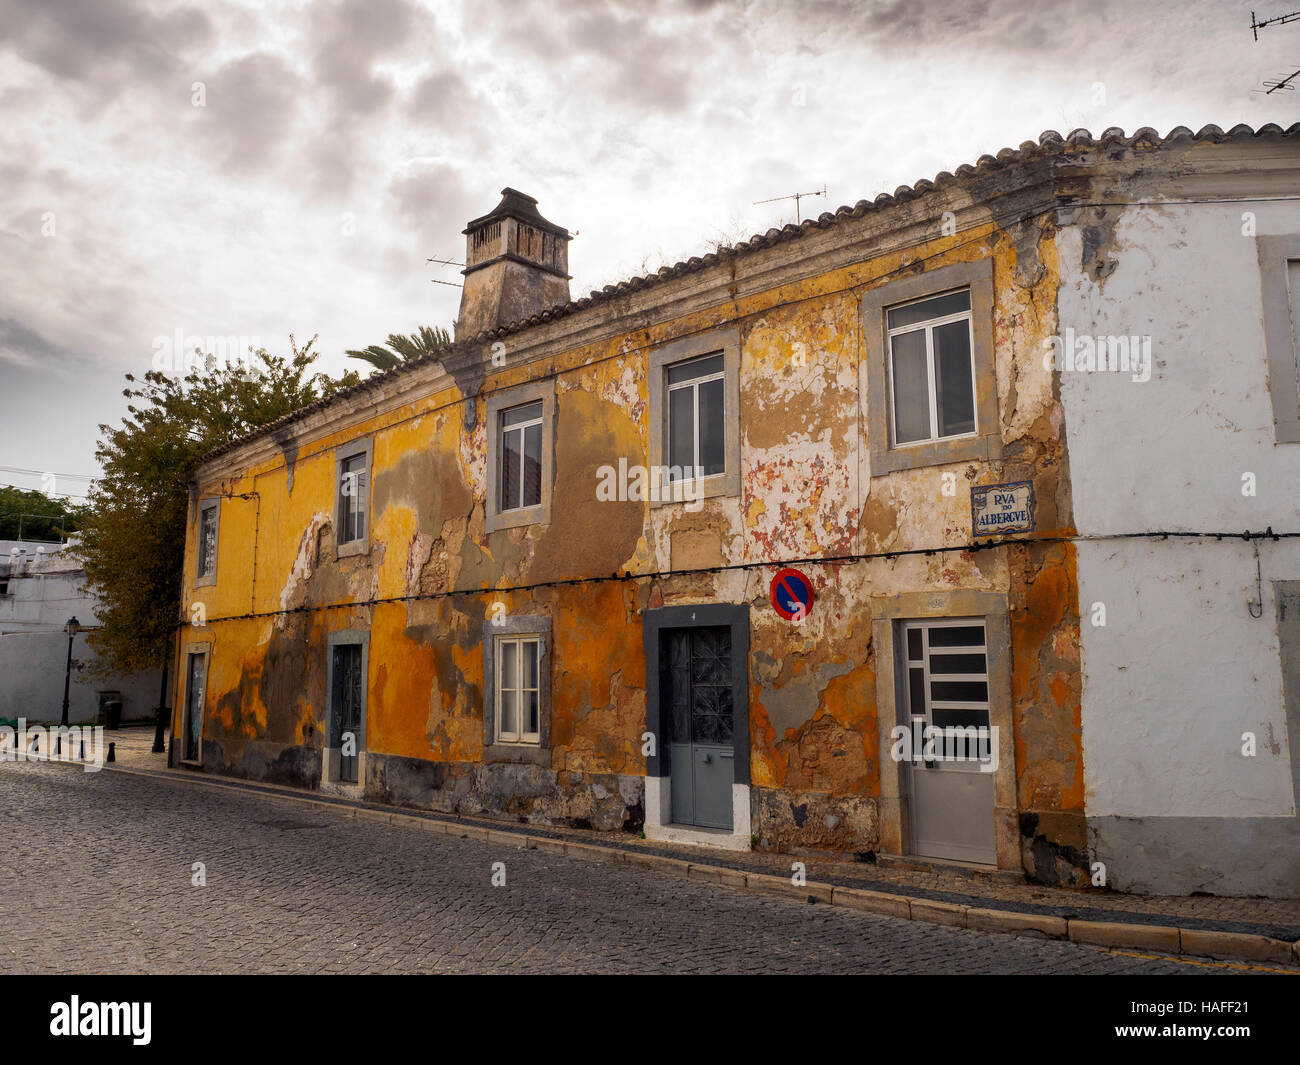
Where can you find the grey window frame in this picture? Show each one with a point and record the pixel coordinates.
(510, 626)
(1275, 254)
(330, 765)
(726, 342)
(876, 376)
(206, 580)
(498, 402)
(364, 447)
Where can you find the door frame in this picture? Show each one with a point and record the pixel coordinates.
(887, 612)
(658, 793)
(330, 760)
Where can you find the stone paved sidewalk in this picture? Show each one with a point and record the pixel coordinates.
(1278, 918)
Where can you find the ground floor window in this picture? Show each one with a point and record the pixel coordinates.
(518, 689)
(948, 684)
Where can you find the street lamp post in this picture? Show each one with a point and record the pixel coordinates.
(72, 627)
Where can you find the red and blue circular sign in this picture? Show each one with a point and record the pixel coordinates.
(792, 594)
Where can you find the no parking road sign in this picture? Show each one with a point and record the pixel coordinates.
(792, 594)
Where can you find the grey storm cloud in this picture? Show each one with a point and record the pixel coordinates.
(20, 343)
(251, 109)
(349, 38)
(617, 51)
(107, 44)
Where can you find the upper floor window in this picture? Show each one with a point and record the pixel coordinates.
(521, 457)
(352, 475)
(696, 418)
(205, 566)
(928, 376)
(931, 369)
(520, 442)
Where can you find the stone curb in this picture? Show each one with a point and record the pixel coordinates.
(1221, 945)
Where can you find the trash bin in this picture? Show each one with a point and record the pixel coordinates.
(110, 709)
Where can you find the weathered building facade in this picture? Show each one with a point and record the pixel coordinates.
(545, 576)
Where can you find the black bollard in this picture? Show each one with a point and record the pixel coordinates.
(82, 755)
(111, 757)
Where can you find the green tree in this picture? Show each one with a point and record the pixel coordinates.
(425, 341)
(37, 516)
(133, 540)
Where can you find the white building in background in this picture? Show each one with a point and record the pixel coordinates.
(1190, 644)
(42, 587)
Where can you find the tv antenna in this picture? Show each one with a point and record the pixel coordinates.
(445, 262)
(797, 196)
(1279, 82)
(1280, 20)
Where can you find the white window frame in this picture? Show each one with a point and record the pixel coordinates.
(520, 735)
(925, 626)
(502, 430)
(694, 383)
(929, 325)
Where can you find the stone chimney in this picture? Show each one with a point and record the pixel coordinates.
(516, 265)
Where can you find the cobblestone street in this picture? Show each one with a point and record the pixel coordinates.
(96, 871)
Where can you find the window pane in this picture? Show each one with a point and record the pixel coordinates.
(712, 456)
(359, 508)
(959, 691)
(689, 371)
(916, 690)
(681, 431)
(528, 412)
(532, 486)
(957, 636)
(961, 719)
(911, 388)
(531, 725)
(914, 645)
(509, 665)
(956, 664)
(954, 390)
(509, 712)
(925, 310)
(530, 664)
(511, 485)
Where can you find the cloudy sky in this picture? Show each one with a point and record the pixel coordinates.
(260, 169)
